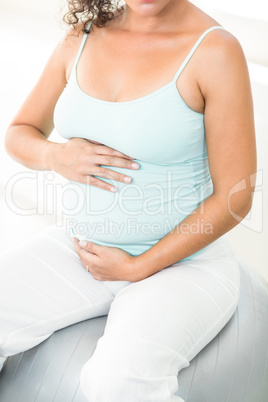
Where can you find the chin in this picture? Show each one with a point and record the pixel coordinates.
(147, 8)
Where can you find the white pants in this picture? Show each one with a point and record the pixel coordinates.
(154, 326)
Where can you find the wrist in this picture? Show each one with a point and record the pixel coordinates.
(50, 153)
(141, 266)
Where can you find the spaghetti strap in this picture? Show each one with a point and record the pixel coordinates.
(80, 50)
(188, 57)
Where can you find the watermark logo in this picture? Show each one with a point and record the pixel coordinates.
(134, 228)
(153, 201)
(254, 219)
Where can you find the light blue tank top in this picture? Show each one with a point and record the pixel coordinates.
(167, 139)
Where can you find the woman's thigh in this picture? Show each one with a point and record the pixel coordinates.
(183, 306)
(44, 287)
(157, 325)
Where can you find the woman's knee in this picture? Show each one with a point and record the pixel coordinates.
(131, 367)
(20, 339)
(106, 380)
(101, 382)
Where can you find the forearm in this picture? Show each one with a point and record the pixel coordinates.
(30, 147)
(208, 222)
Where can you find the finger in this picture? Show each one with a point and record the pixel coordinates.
(95, 142)
(88, 257)
(95, 273)
(76, 244)
(99, 278)
(80, 251)
(94, 181)
(91, 247)
(88, 267)
(112, 175)
(105, 150)
(110, 160)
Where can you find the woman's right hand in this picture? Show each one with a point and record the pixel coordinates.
(79, 160)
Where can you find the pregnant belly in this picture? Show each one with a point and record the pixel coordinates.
(139, 214)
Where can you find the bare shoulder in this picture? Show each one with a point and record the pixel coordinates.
(219, 49)
(72, 36)
(67, 48)
(218, 42)
(223, 44)
(221, 60)
(71, 40)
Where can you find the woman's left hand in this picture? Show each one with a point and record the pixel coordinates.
(107, 263)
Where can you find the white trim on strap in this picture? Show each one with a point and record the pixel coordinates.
(188, 57)
(81, 47)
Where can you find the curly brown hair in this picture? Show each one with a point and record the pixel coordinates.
(99, 12)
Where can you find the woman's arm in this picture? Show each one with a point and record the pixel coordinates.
(223, 78)
(229, 122)
(27, 141)
(26, 136)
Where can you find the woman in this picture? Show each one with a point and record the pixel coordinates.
(155, 103)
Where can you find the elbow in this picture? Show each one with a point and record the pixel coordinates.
(8, 141)
(11, 140)
(246, 207)
(240, 203)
